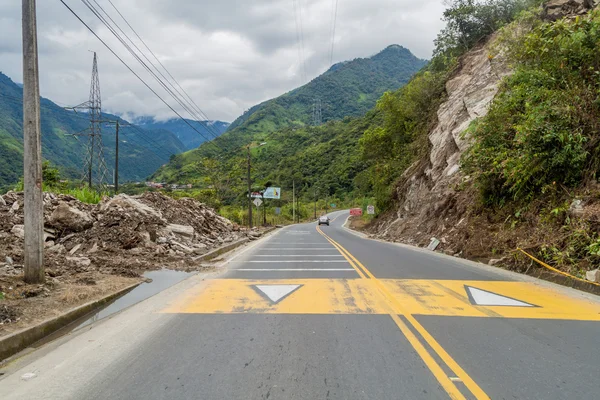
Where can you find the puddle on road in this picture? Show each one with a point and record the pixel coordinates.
(161, 280)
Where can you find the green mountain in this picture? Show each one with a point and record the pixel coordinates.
(349, 88)
(140, 151)
(187, 135)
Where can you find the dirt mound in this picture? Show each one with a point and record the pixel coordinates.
(90, 247)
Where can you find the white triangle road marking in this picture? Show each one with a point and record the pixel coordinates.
(276, 293)
(482, 297)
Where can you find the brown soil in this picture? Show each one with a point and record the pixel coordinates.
(469, 230)
(94, 250)
(26, 305)
(357, 224)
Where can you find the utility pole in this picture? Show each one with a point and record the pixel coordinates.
(117, 159)
(32, 150)
(294, 201)
(264, 211)
(249, 193)
(315, 203)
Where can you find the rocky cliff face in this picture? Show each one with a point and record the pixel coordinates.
(428, 186)
(434, 197)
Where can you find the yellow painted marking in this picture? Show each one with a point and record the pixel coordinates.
(449, 298)
(316, 296)
(393, 297)
(360, 296)
(433, 366)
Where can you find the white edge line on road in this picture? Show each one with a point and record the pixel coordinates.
(297, 261)
(251, 246)
(297, 248)
(297, 255)
(291, 269)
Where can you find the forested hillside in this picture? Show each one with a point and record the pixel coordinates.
(141, 152)
(498, 135)
(187, 135)
(348, 89)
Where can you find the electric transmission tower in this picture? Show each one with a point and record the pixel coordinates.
(95, 171)
(317, 114)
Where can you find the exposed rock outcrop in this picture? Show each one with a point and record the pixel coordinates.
(557, 9)
(428, 186)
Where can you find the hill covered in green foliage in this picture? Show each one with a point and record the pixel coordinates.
(140, 152)
(347, 89)
(187, 135)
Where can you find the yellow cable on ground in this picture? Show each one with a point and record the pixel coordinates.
(554, 269)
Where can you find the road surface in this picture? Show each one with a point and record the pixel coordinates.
(322, 313)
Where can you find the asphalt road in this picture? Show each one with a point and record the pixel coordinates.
(322, 313)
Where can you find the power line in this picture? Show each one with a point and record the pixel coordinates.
(155, 146)
(136, 56)
(299, 40)
(302, 38)
(334, 21)
(197, 108)
(191, 106)
(133, 72)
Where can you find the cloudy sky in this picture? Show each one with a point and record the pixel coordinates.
(227, 54)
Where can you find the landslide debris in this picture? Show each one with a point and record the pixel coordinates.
(90, 249)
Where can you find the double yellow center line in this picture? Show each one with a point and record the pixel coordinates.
(395, 308)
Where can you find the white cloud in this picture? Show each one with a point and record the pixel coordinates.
(227, 54)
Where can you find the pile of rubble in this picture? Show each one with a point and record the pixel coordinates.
(122, 235)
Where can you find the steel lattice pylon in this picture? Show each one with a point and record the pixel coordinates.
(95, 171)
(317, 115)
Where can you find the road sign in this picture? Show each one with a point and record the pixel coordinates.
(277, 210)
(257, 202)
(356, 211)
(333, 205)
(255, 195)
(370, 209)
(272, 193)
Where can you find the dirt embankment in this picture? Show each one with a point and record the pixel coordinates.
(92, 250)
(435, 199)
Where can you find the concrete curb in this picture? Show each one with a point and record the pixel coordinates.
(228, 247)
(15, 342)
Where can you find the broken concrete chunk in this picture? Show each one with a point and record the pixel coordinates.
(79, 261)
(2, 201)
(93, 249)
(69, 218)
(183, 247)
(57, 248)
(125, 202)
(576, 208)
(183, 230)
(9, 260)
(433, 244)
(74, 249)
(18, 231)
(593, 275)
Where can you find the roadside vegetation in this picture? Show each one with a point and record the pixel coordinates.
(535, 156)
(52, 182)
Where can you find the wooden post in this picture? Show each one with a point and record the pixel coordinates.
(32, 150)
(249, 192)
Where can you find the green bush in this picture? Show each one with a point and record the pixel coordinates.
(543, 128)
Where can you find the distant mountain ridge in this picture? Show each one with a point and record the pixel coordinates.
(140, 151)
(187, 135)
(347, 89)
